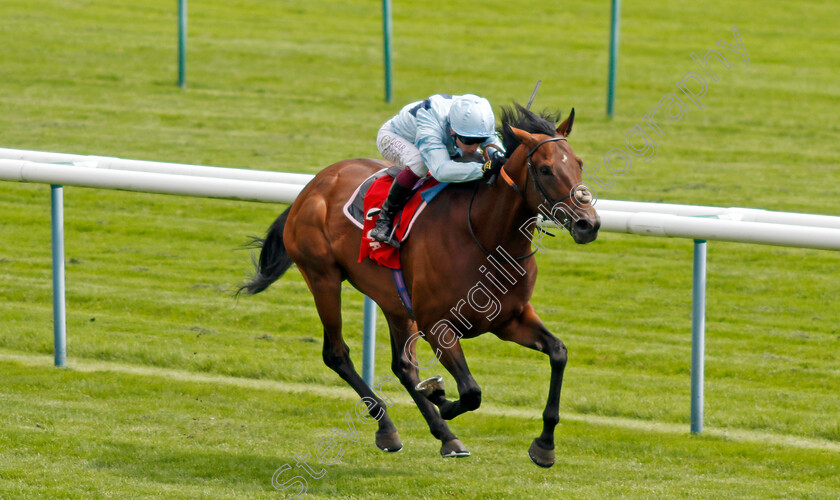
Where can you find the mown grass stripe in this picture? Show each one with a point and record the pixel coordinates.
(731, 434)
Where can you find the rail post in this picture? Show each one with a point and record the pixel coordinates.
(698, 334)
(369, 341)
(59, 312)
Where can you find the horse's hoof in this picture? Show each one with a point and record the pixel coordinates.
(389, 441)
(540, 456)
(454, 448)
(430, 385)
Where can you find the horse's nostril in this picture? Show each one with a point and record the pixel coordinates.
(583, 225)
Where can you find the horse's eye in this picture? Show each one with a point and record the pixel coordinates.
(545, 170)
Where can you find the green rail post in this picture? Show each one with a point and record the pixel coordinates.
(386, 34)
(182, 43)
(616, 11)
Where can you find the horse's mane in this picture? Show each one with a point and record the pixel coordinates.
(521, 118)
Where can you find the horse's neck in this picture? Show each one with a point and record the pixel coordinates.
(501, 217)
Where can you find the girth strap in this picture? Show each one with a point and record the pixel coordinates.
(399, 280)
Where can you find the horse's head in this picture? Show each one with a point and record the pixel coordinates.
(543, 167)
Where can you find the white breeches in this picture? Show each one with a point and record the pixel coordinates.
(395, 148)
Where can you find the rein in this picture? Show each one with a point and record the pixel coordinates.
(520, 191)
(472, 233)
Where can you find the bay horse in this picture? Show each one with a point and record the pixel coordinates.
(444, 264)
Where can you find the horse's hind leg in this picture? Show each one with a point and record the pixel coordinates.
(469, 393)
(325, 284)
(407, 371)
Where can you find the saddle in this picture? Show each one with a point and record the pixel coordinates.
(362, 209)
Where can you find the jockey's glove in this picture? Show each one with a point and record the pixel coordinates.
(492, 168)
(494, 165)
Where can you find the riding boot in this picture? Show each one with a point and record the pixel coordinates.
(397, 198)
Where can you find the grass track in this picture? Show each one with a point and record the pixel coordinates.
(201, 437)
(176, 390)
(347, 394)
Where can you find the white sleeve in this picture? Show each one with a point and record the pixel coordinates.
(430, 142)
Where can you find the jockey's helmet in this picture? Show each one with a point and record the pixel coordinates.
(472, 116)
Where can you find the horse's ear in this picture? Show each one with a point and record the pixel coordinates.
(524, 137)
(565, 128)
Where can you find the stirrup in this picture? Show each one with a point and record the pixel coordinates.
(389, 238)
(392, 238)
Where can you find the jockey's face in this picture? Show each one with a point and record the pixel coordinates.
(468, 149)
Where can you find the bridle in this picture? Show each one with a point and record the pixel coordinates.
(530, 172)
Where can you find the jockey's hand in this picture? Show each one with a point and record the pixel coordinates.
(491, 168)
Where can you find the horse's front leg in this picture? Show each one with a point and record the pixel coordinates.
(528, 330)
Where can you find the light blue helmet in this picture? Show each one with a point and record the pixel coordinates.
(472, 116)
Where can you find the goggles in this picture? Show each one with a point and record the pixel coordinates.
(469, 141)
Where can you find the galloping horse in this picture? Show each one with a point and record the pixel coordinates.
(444, 261)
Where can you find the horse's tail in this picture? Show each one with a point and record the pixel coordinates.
(274, 259)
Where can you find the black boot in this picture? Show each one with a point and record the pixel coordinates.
(397, 197)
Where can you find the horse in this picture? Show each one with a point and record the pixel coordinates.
(443, 262)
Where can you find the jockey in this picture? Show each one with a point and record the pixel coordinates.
(426, 137)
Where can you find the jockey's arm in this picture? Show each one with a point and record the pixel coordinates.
(444, 169)
(430, 136)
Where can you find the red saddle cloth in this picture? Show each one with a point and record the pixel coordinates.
(382, 254)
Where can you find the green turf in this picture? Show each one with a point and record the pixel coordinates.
(176, 390)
